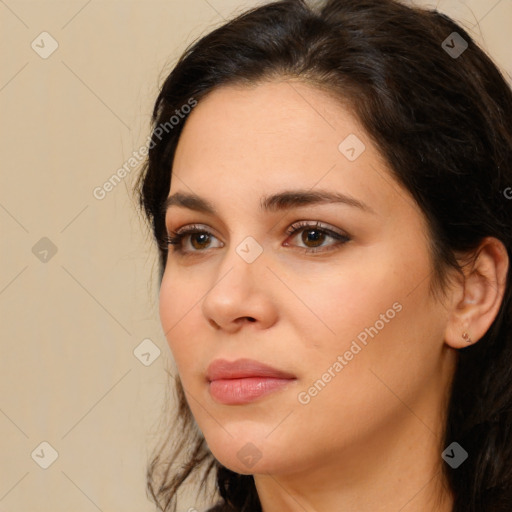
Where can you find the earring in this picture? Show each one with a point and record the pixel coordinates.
(465, 337)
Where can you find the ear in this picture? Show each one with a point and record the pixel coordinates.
(477, 298)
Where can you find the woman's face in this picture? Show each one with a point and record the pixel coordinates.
(353, 325)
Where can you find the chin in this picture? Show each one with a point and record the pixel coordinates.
(253, 463)
(248, 454)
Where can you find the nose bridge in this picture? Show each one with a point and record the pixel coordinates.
(242, 261)
(249, 250)
(237, 290)
(246, 240)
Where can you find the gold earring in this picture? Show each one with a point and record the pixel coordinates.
(465, 337)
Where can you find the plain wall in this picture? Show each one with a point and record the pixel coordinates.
(70, 321)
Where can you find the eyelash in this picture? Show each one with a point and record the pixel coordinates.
(175, 238)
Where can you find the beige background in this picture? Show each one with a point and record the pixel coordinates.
(70, 324)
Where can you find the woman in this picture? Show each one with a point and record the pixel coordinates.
(329, 188)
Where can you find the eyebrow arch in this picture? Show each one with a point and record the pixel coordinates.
(285, 200)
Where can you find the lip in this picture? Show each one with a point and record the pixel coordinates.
(244, 380)
(243, 369)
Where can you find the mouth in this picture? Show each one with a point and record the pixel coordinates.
(244, 380)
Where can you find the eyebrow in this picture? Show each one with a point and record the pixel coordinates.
(285, 200)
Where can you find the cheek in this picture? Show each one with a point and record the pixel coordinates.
(377, 312)
(177, 307)
(388, 333)
(353, 296)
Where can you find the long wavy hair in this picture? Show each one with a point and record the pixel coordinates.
(442, 121)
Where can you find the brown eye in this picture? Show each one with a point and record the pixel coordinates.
(199, 239)
(202, 237)
(313, 236)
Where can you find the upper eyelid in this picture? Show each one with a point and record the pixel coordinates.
(338, 236)
(304, 208)
(298, 224)
(297, 227)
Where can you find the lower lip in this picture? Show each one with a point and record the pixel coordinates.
(244, 391)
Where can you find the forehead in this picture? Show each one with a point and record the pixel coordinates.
(283, 115)
(265, 138)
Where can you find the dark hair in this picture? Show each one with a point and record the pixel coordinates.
(443, 122)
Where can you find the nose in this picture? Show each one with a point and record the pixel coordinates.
(241, 294)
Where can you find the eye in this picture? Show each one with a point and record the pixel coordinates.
(200, 238)
(193, 232)
(315, 234)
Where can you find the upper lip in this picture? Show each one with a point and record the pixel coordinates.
(243, 368)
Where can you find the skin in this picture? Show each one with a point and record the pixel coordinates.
(371, 439)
